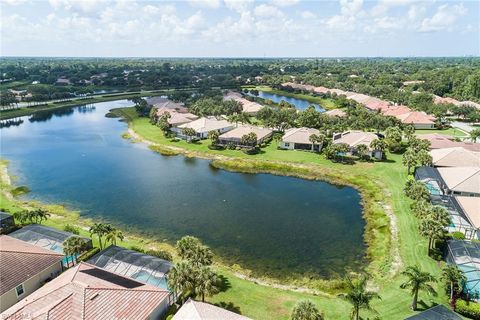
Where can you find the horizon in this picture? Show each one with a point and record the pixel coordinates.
(240, 29)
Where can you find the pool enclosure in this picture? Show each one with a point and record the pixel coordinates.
(133, 264)
(466, 256)
(46, 237)
(6, 222)
(459, 221)
(432, 179)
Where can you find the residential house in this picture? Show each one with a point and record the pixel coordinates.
(462, 181)
(446, 100)
(63, 81)
(408, 83)
(336, 113)
(23, 269)
(176, 118)
(7, 223)
(418, 119)
(235, 135)
(249, 107)
(88, 292)
(439, 141)
(354, 138)
(455, 157)
(160, 102)
(299, 139)
(195, 310)
(203, 126)
(469, 207)
(469, 103)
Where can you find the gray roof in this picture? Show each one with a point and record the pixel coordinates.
(4, 215)
(439, 312)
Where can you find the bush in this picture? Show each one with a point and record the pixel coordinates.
(458, 235)
(135, 248)
(468, 309)
(251, 150)
(88, 254)
(162, 254)
(71, 229)
(231, 146)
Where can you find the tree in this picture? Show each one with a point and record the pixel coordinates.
(362, 151)
(358, 295)
(39, 215)
(213, 136)
(73, 246)
(420, 207)
(22, 216)
(206, 282)
(475, 134)
(416, 190)
(306, 310)
(113, 235)
(249, 139)
(424, 158)
(100, 229)
(180, 280)
(418, 280)
(191, 249)
(417, 144)
(432, 229)
(316, 139)
(189, 133)
(163, 123)
(378, 145)
(409, 159)
(454, 279)
(393, 138)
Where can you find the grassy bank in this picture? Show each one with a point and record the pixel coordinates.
(325, 103)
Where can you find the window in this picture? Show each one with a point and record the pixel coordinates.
(19, 290)
(287, 144)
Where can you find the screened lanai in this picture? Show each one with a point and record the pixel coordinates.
(466, 255)
(45, 237)
(133, 264)
(432, 179)
(459, 221)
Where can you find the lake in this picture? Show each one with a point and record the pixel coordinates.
(300, 104)
(273, 225)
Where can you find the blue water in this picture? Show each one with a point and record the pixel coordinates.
(270, 224)
(298, 103)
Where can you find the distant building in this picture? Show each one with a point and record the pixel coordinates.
(419, 120)
(63, 81)
(439, 141)
(160, 102)
(176, 118)
(88, 292)
(250, 107)
(195, 310)
(203, 126)
(23, 269)
(336, 113)
(455, 157)
(235, 135)
(408, 83)
(299, 139)
(446, 100)
(354, 138)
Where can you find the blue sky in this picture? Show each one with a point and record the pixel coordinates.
(239, 28)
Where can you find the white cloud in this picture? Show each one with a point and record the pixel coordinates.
(443, 19)
(266, 11)
(284, 3)
(308, 15)
(212, 4)
(78, 5)
(346, 21)
(14, 2)
(238, 5)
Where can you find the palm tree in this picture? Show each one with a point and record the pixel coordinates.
(424, 158)
(454, 277)
(100, 229)
(189, 133)
(21, 216)
(475, 134)
(306, 310)
(213, 136)
(206, 282)
(73, 246)
(113, 236)
(378, 145)
(432, 229)
(362, 151)
(180, 280)
(418, 280)
(39, 215)
(358, 296)
(409, 159)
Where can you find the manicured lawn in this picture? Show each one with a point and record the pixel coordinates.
(264, 302)
(454, 132)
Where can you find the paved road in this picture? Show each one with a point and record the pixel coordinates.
(462, 126)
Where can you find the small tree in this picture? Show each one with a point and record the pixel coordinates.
(379, 145)
(163, 123)
(113, 235)
(191, 249)
(206, 282)
(432, 229)
(181, 281)
(454, 279)
(73, 246)
(424, 158)
(409, 159)
(416, 190)
(39, 215)
(362, 151)
(189, 133)
(475, 134)
(306, 310)
(249, 139)
(100, 229)
(213, 136)
(418, 280)
(358, 295)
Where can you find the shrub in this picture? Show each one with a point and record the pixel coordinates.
(251, 150)
(162, 254)
(71, 229)
(458, 235)
(468, 309)
(231, 146)
(87, 255)
(135, 248)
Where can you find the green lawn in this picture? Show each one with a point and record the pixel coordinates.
(453, 132)
(265, 302)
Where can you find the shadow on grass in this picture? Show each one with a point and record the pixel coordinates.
(422, 305)
(224, 283)
(229, 306)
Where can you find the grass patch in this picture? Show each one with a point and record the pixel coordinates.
(163, 151)
(20, 190)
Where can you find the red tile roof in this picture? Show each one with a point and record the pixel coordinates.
(439, 141)
(415, 117)
(89, 292)
(19, 261)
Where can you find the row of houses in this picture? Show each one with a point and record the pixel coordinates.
(116, 283)
(448, 100)
(419, 119)
(249, 107)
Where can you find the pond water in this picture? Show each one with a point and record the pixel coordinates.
(273, 225)
(300, 104)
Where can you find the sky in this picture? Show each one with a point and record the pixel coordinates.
(239, 28)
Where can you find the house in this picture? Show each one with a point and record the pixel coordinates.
(469, 207)
(439, 141)
(354, 138)
(7, 223)
(23, 269)
(88, 292)
(463, 181)
(336, 113)
(408, 83)
(394, 111)
(470, 104)
(163, 102)
(250, 107)
(299, 139)
(235, 136)
(63, 81)
(446, 100)
(195, 310)
(439, 312)
(455, 157)
(203, 126)
(419, 120)
(176, 118)
(464, 254)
